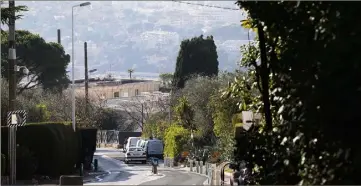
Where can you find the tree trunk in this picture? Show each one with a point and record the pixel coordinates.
(264, 73)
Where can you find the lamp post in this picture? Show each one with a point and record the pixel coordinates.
(72, 60)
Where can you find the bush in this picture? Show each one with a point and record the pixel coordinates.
(176, 138)
(26, 163)
(54, 146)
(88, 142)
(155, 127)
(3, 164)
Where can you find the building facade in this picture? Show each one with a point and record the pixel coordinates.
(117, 89)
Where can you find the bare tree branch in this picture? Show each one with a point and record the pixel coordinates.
(141, 108)
(27, 86)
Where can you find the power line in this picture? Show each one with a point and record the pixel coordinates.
(212, 6)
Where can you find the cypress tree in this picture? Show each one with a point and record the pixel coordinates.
(197, 56)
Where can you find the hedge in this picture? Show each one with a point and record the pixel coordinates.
(175, 139)
(55, 146)
(88, 137)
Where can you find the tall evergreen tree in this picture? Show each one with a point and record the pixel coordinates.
(196, 56)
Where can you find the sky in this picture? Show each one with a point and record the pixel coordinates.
(143, 35)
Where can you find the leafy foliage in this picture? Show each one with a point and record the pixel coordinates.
(47, 62)
(6, 13)
(184, 113)
(155, 126)
(176, 140)
(112, 120)
(223, 111)
(43, 106)
(196, 56)
(166, 79)
(312, 67)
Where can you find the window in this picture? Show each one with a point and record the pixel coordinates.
(116, 94)
(136, 92)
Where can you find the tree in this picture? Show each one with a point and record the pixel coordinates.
(224, 108)
(6, 13)
(197, 91)
(140, 109)
(313, 62)
(156, 125)
(196, 56)
(166, 79)
(47, 62)
(114, 120)
(130, 71)
(185, 113)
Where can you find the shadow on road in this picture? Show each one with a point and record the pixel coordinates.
(116, 172)
(116, 176)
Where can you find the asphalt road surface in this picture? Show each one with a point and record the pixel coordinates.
(119, 173)
(177, 177)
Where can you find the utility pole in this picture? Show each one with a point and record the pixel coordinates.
(86, 76)
(59, 37)
(12, 57)
(142, 122)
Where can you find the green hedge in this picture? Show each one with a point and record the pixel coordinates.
(55, 146)
(61, 122)
(3, 164)
(175, 140)
(88, 137)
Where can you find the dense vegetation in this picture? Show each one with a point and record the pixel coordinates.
(47, 70)
(196, 56)
(302, 73)
(312, 62)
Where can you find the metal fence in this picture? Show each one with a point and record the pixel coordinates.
(108, 137)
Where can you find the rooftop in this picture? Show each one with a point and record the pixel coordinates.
(109, 81)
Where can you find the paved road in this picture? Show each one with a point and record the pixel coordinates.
(118, 173)
(178, 177)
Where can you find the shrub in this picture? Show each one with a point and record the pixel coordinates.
(155, 128)
(3, 164)
(176, 138)
(88, 138)
(54, 146)
(26, 163)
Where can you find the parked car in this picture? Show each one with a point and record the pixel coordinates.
(135, 154)
(139, 143)
(131, 142)
(154, 148)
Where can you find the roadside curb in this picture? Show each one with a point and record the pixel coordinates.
(186, 170)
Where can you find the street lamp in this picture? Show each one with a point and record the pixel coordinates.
(72, 60)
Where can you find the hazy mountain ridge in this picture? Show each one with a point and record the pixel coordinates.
(139, 34)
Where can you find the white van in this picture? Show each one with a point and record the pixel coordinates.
(131, 142)
(139, 143)
(143, 144)
(154, 148)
